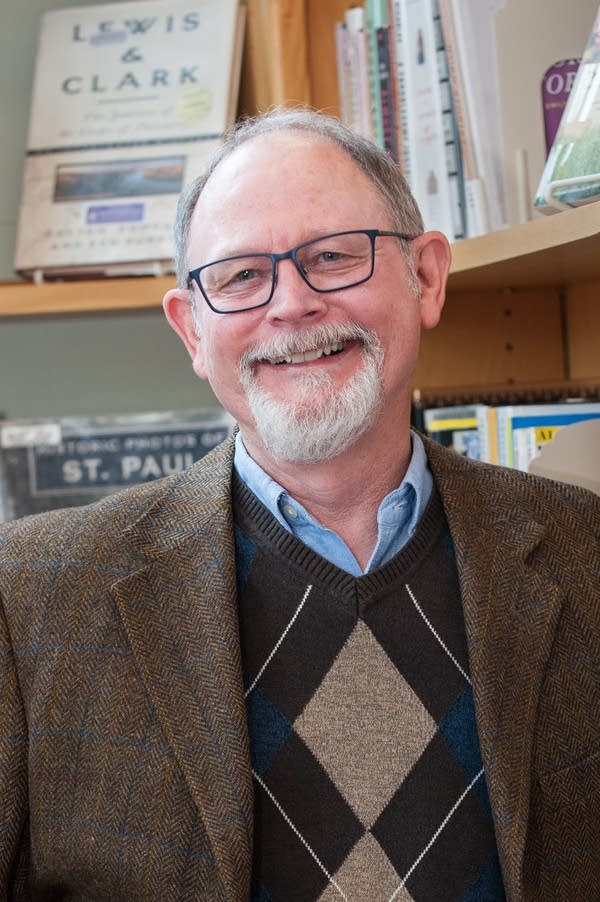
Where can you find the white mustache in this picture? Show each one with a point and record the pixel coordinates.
(309, 340)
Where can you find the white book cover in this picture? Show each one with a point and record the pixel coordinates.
(128, 101)
(398, 25)
(426, 144)
(473, 23)
(360, 94)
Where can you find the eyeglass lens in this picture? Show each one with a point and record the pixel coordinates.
(326, 264)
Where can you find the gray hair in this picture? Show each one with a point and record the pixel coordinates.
(376, 163)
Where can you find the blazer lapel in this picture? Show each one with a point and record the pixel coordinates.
(180, 613)
(511, 607)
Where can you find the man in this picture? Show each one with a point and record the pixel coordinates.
(332, 659)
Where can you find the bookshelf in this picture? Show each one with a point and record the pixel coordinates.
(522, 303)
(521, 308)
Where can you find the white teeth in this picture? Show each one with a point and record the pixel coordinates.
(307, 356)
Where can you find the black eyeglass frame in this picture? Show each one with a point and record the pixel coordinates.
(194, 274)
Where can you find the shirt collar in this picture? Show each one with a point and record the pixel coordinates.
(397, 516)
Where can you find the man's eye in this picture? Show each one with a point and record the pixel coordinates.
(331, 256)
(245, 275)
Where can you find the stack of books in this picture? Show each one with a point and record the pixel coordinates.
(511, 435)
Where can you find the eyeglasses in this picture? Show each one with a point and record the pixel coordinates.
(328, 263)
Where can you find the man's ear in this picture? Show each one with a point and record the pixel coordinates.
(432, 257)
(177, 304)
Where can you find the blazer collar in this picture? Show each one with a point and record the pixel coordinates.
(511, 607)
(180, 613)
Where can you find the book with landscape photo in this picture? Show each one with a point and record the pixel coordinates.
(571, 176)
(128, 101)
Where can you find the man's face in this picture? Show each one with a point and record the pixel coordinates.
(271, 194)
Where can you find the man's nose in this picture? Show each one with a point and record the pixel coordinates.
(293, 298)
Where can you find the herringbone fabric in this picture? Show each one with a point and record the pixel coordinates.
(124, 761)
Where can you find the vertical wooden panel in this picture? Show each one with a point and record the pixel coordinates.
(321, 16)
(275, 67)
(583, 325)
(494, 338)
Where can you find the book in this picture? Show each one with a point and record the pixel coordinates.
(128, 101)
(356, 106)
(557, 82)
(425, 145)
(529, 37)
(375, 20)
(571, 175)
(454, 167)
(48, 463)
(523, 429)
(572, 456)
(454, 427)
(386, 94)
(397, 18)
(475, 211)
(471, 47)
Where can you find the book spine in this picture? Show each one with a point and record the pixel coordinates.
(358, 87)
(373, 22)
(454, 166)
(475, 208)
(429, 179)
(343, 71)
(385, 93)
(399, 37)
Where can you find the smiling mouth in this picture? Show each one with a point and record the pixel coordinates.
(308, 356)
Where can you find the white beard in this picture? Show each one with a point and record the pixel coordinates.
(320, 422)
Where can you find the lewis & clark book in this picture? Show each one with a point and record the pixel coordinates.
(128, 101)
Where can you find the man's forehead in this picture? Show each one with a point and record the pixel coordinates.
(275, 150)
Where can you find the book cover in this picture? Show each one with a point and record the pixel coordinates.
(571, 175)
(476, 217)
(455, 427)
(470, 37)
(557, 82)
(454, 167)
(397, 9)
(128, 101)
(358, 112)
(375, 19)
(388, 113)
(344, 72)
(572, 456)
(50, 463)
(522, 429)
(425, 124)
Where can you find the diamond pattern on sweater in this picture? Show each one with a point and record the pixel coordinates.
(366, 760)
(414, 816)
(367, 744)
(283, 815)
(366, 867)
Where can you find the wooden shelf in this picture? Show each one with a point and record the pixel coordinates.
(557, 250)
(553, 250)
(83, 296)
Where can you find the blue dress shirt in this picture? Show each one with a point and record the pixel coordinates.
(397, 516)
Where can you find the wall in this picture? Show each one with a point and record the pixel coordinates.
(62, 366)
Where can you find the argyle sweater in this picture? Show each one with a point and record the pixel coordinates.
(368, 777)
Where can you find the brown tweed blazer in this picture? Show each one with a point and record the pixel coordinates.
(124, 769)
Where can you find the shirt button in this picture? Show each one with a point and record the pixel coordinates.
(290, 511)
